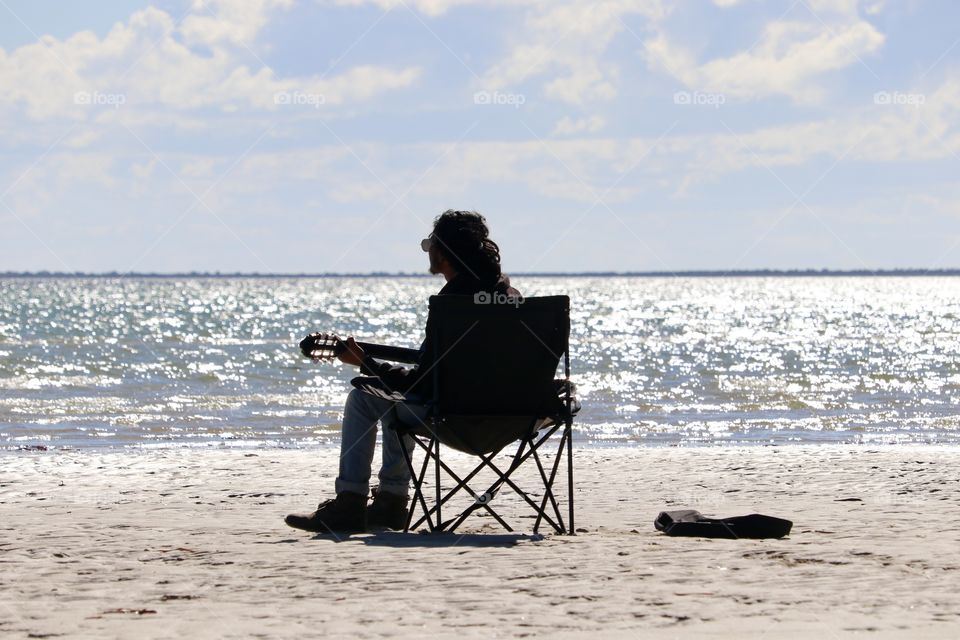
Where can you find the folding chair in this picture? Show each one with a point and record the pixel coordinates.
(493, 382)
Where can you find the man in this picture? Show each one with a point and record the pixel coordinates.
(460, 249)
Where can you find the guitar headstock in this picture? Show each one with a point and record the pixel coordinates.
(320, 346)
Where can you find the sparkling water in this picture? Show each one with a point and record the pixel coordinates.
(660, 360)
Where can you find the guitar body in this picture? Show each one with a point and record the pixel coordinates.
(324, 346)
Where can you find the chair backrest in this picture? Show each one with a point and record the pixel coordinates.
(494, 355)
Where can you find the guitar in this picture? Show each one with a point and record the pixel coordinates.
(327, 346)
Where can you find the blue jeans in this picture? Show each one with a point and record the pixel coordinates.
(359, 440)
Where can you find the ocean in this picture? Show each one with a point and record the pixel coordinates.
(661, 361)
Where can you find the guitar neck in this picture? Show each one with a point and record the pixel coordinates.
(394, 354)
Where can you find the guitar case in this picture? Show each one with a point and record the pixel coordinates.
(693, 524)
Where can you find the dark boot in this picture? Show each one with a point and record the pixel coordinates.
(387, 511)
(345, 514)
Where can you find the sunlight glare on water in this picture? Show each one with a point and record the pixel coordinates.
(145, 362)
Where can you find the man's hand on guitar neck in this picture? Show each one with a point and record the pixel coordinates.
(353, 354)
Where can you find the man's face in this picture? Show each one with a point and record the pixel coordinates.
(435, 259)
(434, 254)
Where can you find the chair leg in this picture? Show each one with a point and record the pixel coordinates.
(461, 484)
(568, 430)
(486, 496)
(436, 467)
(548, 488)
(528, 447)
(518, 459)
(505, 478)
(418, 487)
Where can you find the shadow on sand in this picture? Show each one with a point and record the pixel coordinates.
(400, 539)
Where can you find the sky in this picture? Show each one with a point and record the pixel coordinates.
(319, 136)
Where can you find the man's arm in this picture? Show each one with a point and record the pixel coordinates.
(394, 377)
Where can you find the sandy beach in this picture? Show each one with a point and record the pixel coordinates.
(191, 543)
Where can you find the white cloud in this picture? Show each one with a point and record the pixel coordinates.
(875, 134)
(845, 8)
(881, 133)
(231, 21)
(432, 8)
(575, 170)
(566, 43)
(787, 60)
(568, 126)
(144, 170)
(151, 64)
(82, 139)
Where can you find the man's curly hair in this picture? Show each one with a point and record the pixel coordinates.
(464, 239)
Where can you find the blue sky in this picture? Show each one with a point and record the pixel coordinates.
(324, 136)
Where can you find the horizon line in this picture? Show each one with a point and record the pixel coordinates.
(690, 273)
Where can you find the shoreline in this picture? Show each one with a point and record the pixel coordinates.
(191, 542)
(334, 444)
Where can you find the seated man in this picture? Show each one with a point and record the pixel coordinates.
(461, 250)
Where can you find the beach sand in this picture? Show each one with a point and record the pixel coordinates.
(191, 543)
